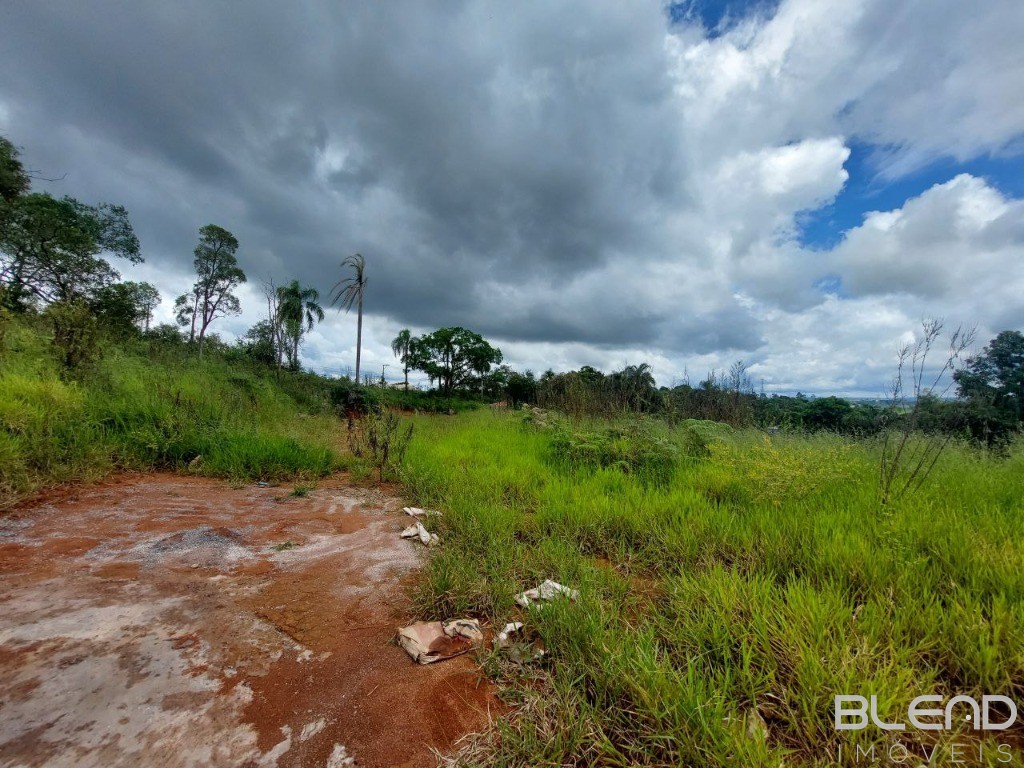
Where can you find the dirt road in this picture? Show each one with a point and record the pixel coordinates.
(157, 620)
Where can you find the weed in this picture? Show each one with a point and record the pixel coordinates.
(381, 439)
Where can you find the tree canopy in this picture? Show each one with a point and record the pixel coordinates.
(402, 346)
(298, 311)
(50, 249)
(14, 181)
(454, 357)
(218, 274)
(992, 383)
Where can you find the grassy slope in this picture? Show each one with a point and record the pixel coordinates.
(149, 407)
(764, 576)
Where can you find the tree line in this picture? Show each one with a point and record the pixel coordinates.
(53, 260)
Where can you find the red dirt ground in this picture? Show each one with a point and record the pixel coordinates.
(151, 620)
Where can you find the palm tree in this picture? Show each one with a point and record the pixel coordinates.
(635, 384)
(402, 347)
(298, 311)
(349, 291)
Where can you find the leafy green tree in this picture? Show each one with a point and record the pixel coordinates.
(219, 275)
(349, 292)
(992, 383)
(828, 413)
(50, 249)
(635, 387)
(402, 345)
(454, 357)
(147, 298)
(186, 312)
(165, 334)
(298, 311)
(521, 388)
(14, 181)
(258, 343)
(125, 308)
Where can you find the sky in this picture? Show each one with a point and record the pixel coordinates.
(795, 184)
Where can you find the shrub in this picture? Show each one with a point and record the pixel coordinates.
(380, 438)
(633, 449)
(75, 333)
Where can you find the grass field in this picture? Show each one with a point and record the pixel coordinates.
(726, 595)
(730, 584)
(144, 406)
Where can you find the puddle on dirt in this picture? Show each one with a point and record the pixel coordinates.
(162, 620)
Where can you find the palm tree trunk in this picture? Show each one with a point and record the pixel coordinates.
(359, 334)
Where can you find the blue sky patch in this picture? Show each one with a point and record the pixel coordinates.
(719, 16)
(867, 191)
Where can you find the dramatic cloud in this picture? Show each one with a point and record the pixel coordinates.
(586, 183)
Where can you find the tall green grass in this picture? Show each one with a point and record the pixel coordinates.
(147, 406)
(751, 585)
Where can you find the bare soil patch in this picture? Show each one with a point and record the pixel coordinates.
(172, 621)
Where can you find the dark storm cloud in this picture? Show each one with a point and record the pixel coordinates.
(452, 143)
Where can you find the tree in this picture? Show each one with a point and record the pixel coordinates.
(50, 249)
(521, 388)
(14, 181)
(348, 292)
(258, 343)
(298, 311)
(125, 308)
(218, 275)
(452, 356)
(992, 383)
(147, 299)
(634, 385)
(828, 413)
(186, 311)
(402, 345)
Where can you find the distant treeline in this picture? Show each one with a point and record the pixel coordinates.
(990, 389)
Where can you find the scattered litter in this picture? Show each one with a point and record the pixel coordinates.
(430, 641)
(519, 651)
(524, 653)
(546, 591)
(757, 728)
(263, 484)
(340, 758)
(309, 730)
(502, 640)
(417, 530)
(417, 512)
(195, 463)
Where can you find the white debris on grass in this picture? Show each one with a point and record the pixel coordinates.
(546, 591)
(418, 531)
(417, 512)
(502, 640)
(430, 641)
